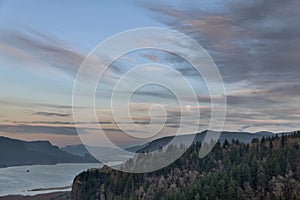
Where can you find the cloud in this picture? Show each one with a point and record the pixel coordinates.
(39, 51)
(249, 101)
(256, 47)
(151, 57)
(33, 48)
(56, 106)
(244, 127)
(44, 122)
(13, 102)
(156, 93)
(28, 129)
(51, 114)
(248, 41)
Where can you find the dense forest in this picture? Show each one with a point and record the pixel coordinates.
(266, 168)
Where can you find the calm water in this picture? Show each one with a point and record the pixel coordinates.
(16, 180)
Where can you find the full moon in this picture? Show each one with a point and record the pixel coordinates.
(188, 107)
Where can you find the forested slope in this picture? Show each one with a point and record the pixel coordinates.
(266, 168)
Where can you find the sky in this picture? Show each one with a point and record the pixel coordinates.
(255, 46)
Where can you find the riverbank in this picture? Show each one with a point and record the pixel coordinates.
(47, 196)
(47, 189)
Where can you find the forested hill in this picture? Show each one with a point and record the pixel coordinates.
(15, 152)
(266, 168)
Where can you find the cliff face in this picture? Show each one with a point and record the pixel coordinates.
(77, 187)
(90, 184)
(263, 169)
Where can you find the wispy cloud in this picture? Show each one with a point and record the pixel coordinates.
(31, 48)
(19, 103)
(29, 129)
(255, 46)
(52, 114)
(38, 51)
(248, 41)
(151, 57)
(243, 128)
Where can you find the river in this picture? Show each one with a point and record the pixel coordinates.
(22, 179)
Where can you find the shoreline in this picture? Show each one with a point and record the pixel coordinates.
(52, 188)
(47, 196)
(47, 164)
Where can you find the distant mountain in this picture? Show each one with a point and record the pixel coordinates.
(137, 148)
(105, 154)
(18, 152)
(243, 137)
(77, 149)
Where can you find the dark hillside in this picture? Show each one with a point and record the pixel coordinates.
(266, 168)
(17, 152)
